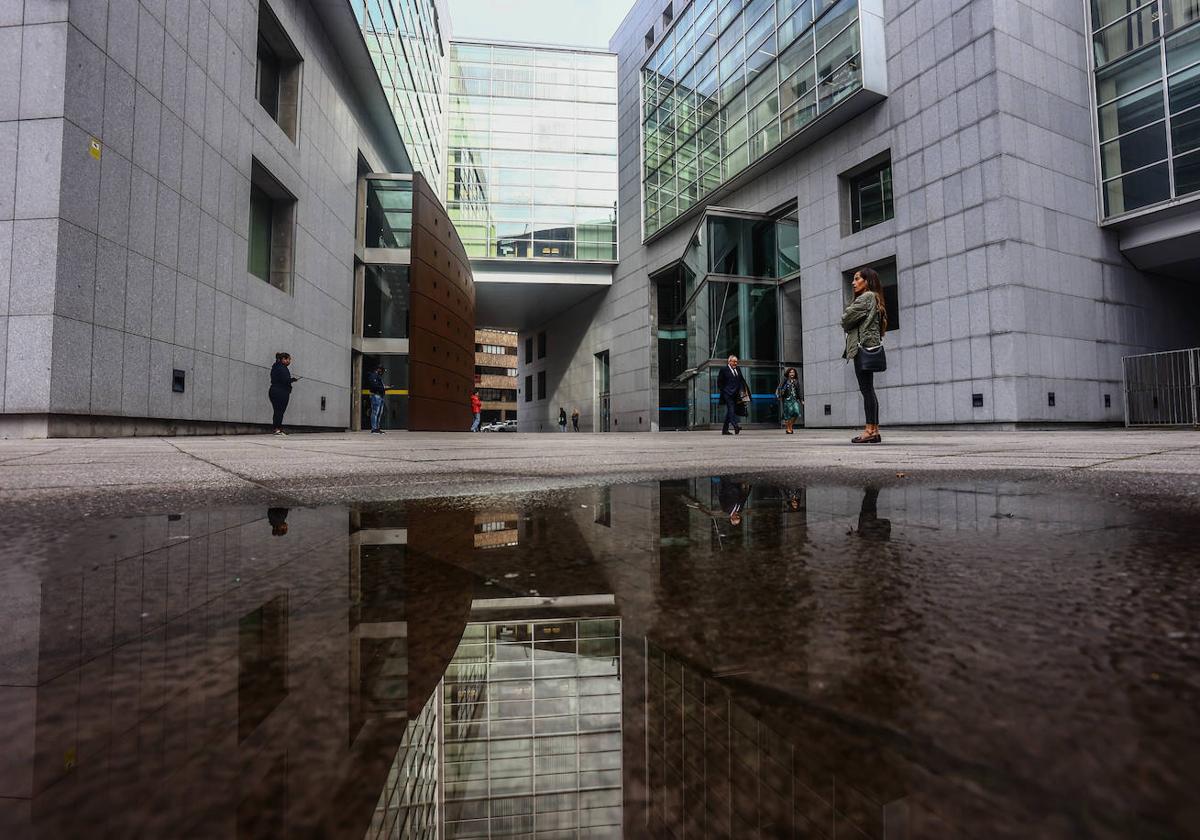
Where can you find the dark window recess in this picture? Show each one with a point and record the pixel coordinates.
(266, 79)
(871, 197)
(650, 37)
(541, 384)
(1108, 400)
(271, 233)
(977, 400)
(528, 350)
(277, 72)
(262, 663)
(178, 381)
(891, 290)
(1050, 399)
(828, 409)
(498, 394)
(541, 345)
(668, 15)
(528, 389)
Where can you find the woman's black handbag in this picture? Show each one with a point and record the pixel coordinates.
(871, 359)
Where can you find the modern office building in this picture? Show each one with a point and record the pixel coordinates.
(532, 182)
(183, 194)
(408, 41)
(496, 374)
(1021, 175)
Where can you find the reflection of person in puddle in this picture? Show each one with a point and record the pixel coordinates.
(278, 519)
(732, 494)
(870, 526)
(794, 502)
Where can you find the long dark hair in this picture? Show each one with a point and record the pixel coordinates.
(875, 287)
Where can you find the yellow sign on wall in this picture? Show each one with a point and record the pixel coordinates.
(94, 148)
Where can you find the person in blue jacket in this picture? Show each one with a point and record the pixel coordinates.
(281, 389)
(378, 389)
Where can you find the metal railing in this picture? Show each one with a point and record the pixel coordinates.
(1162, 389)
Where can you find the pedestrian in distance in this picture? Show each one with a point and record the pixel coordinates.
(280, 392)
(575, 419)
(734, 395)
(865, 322)
(562, 419)
(378, 389)
(476, 408)
(788, 393)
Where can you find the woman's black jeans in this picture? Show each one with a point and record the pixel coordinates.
(866, 384)
(279, 401)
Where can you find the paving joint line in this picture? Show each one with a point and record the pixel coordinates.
(233, 473)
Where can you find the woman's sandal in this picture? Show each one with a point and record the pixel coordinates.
(867, 439)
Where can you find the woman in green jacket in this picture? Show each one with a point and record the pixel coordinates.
(865, 322)
(789, 393)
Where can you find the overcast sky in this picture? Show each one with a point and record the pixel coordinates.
(584, 23)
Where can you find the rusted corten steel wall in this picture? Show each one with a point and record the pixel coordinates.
(441, 348)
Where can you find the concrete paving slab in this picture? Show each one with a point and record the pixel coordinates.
(107, 474)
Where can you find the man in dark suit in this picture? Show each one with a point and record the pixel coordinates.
(730, 385)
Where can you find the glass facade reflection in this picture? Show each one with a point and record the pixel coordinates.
(723, 299)
(532, 730)
(533, 152)
(408, 47)
(730, 81)
(1147, 59)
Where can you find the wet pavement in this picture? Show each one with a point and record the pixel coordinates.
(700, 657)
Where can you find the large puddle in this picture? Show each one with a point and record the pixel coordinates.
(696, 658)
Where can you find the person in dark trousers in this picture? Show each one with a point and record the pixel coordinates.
(731, 384)
(865, 323)
(280, 391)
(476, 409)
(575, 419)
(733, 494)
(277, 518)
(870, 526)
(378, 389)
(562, 419)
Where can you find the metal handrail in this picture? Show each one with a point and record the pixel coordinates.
(1162, 389)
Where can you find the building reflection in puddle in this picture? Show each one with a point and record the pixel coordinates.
(711, 656)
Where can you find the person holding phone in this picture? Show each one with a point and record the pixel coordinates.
(280, 391)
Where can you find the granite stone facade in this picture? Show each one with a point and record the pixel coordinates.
(1008, 286)
(127, 135)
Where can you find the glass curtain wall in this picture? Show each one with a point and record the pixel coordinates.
(533, 152)
(408, 48)
(721, 300)
(1147, 58)
(730, 81)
